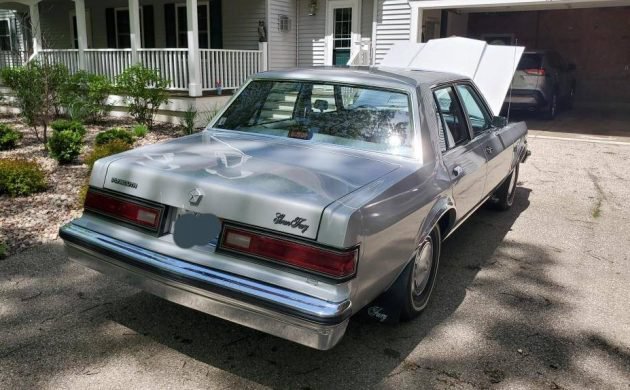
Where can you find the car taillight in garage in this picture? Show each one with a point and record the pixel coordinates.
(535, 72)
(337, 264)
(123, 209)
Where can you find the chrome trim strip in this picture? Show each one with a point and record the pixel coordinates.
(293, 301)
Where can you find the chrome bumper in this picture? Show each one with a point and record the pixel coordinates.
(288, 314)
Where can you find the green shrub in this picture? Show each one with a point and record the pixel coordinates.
(84, 96)
(3, 250)
(20, 177)
(116, 133)
(100, 151)
(65, 146)
(140, 130)
(71, 125)
(36, 87)
(144, 90)
(8, 137)
(187, 121)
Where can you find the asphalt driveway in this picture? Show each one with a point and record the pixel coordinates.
(536, 297)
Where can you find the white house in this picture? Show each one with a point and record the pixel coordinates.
(201, 45)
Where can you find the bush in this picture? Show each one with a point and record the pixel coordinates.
(144, 91)
(116, 133)
(100, 151)
(8, 137)
(65, 146)
(21, 177)
(187, 121)
(36, 87)
(84, 96)
(71, 125)
(3, 250)
(140, 130)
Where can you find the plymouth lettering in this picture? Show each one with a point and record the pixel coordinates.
(125, 183)
(297, 222)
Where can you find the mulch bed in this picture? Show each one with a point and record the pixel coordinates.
(34, 219)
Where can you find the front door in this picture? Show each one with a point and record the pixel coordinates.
(342, 34)
(499, 158)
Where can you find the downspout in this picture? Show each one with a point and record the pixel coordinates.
(374, 20)
(297, 33)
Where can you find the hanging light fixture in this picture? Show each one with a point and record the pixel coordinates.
(312, 8)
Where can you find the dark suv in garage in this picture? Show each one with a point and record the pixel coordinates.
(543, 81)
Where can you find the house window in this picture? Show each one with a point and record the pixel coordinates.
(342, 38)
(123, 28)
(5, 35)
(203, 21)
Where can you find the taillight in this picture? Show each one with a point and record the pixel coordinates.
(535, 72)
(123, 209)
(333, 263)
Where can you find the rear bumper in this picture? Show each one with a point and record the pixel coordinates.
(525, 99)
(288, 314)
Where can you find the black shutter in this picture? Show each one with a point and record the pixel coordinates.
(216, 25)
(149, 29)
(110, 22)
(169, 25)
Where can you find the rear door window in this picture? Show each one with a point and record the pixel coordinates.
(452, 123)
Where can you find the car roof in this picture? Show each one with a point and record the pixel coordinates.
(362, 75)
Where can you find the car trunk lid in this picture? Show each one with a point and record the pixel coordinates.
(256, 180)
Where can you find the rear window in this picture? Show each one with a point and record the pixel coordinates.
(354, 116)
(530, 61)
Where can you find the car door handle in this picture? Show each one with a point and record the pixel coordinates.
(458, 171)
(489, 149)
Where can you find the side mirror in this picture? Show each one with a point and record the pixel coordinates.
(571, 67)
(499, 121)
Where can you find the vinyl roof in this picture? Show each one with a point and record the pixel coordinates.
(382, 77)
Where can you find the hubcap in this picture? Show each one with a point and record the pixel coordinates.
(512, 185)
(422, 267)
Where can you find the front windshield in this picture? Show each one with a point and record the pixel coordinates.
(358, 117)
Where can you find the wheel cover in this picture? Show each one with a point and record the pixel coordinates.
(512, 188)
(423, 263)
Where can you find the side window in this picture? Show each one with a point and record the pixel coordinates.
(479, 118)
(454, 130)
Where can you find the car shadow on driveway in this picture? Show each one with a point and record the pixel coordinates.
(369, 352)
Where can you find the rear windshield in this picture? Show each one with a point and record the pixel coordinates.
(359, 117)
(530, 61)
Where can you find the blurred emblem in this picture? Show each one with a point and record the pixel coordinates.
(194, 197)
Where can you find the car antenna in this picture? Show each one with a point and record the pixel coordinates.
(513, 61)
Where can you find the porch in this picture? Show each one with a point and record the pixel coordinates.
(199, 45)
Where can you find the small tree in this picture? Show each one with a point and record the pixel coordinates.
(36, 87)
(84, 96)
(144, 91)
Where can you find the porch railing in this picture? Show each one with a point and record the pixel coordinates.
(223, 68)
(13, 58)
(228, 68)
(362, 56)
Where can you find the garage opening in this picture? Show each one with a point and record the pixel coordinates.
(588, 49)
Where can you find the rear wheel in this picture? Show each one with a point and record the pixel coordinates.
(503, 197)
(419, 276)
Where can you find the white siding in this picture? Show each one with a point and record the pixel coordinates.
(393, 23)
(282, 45)
(240, 23)
(312, 32)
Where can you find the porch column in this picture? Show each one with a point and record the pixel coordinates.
(415, 33)
(194, 60)
(79, 9)
(134, 30)
(36, 30)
